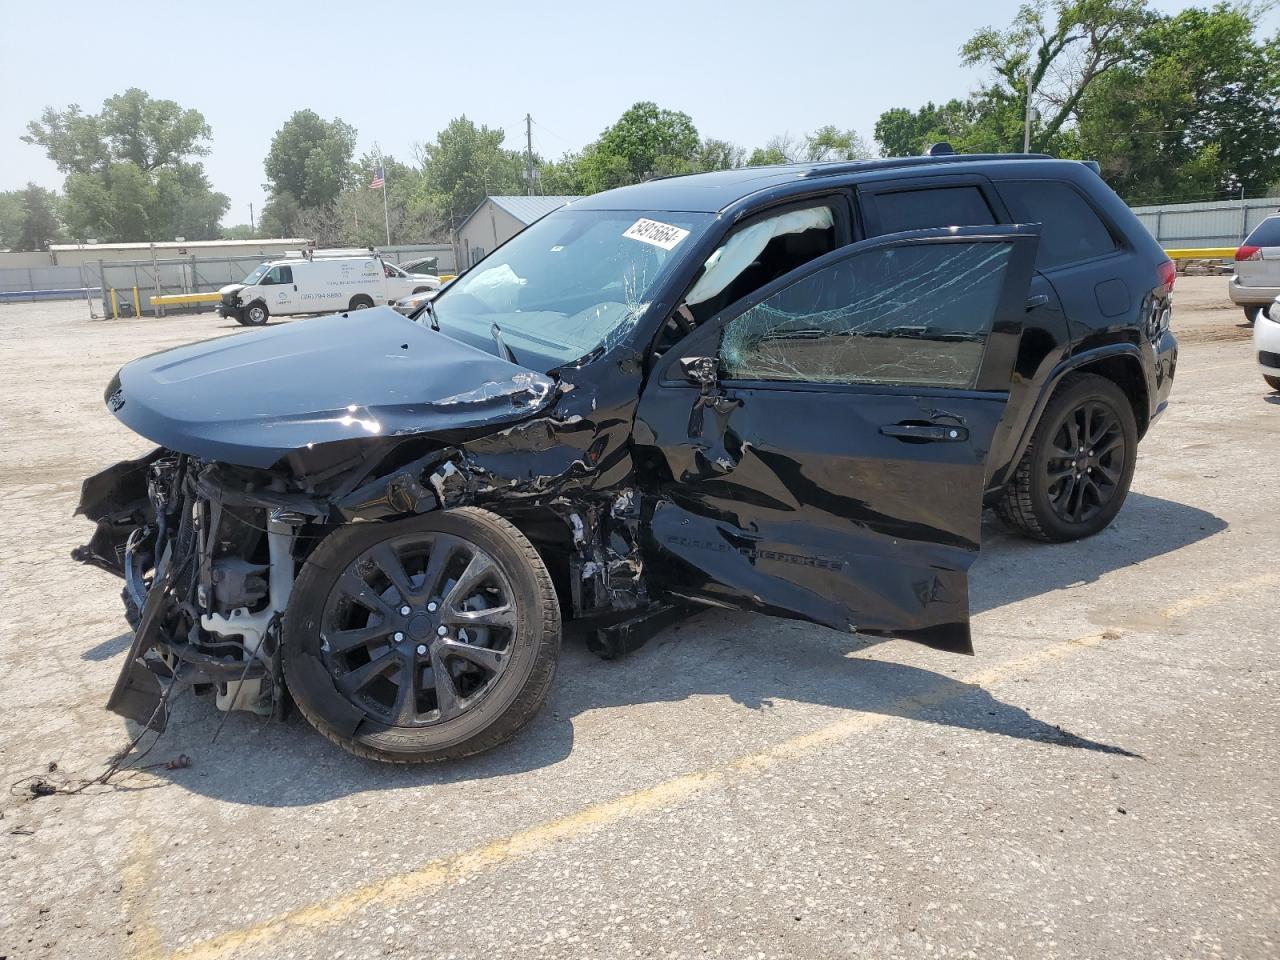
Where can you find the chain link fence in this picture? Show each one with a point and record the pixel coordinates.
(125, 287)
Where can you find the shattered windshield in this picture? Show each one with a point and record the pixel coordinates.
(572, 282)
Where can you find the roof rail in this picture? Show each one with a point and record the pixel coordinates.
(835, 167)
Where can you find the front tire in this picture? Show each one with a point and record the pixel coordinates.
(360, 302)
(255, 315)
(1075, 474)
(1272, 382)
(435, 637)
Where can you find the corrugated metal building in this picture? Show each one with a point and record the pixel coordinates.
(497, 220)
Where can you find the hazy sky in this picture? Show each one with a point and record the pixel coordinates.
(399, 71)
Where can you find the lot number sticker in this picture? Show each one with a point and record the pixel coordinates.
(654, 232)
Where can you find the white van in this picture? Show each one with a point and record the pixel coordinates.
(314, 284)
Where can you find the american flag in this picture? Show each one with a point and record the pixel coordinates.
(379, 181)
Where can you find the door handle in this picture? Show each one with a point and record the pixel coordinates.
(925, 432)
(1039, 300)
(295, 288)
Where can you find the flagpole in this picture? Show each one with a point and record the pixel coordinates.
(386, 215)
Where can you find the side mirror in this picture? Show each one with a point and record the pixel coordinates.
(700, 370)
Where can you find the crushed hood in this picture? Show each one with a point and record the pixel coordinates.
(251, 399)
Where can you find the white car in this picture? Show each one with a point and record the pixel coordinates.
(1266, 343)
(1256, 282)
(301, 285)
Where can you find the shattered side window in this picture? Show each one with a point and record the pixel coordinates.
(913, 315)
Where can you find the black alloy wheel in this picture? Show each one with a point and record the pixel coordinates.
(417, 648)
(1075, 474)
(1085, 462)
(439, 633)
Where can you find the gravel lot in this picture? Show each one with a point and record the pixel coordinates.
(1101, 780)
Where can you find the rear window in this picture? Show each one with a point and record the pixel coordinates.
(1069, 229)
(932, 207)
(1265, 234)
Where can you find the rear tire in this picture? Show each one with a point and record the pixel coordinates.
(1075, 474)
(360, 302)
(1251, 312)
(1272, 382)
(254, 315)
(347, 656)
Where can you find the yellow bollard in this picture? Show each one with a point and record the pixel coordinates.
(137, 304)
(115, 305)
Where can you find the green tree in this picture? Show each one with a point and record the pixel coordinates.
(718, 155)
(1196, 114)
(646, 141)
(907, 133)
(308, 164)
(826, 143)
(465, 164)
(128, 167)
(239, 231)
(1061, 48)
(359, 210)
(29, 219)
(561, 177)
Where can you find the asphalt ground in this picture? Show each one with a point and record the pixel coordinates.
(1101, 780)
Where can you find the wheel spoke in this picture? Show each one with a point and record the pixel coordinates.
(1073, 434)
(490, 660)
(405, 709)
(386, 558)
(1104, 426)
(363, 594)
(355, 681)
(441, 551)
(1115, 442)
(1111, 474)
(477, 569)
(1056, 475)
(504, 616)
(446, 696)
(344, 641)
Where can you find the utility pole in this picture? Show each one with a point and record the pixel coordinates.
(528, 150)
(1026, 123)
(252, 228)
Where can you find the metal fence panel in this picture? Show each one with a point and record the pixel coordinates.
(1214, 223)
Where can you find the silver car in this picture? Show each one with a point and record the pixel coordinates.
(1256, 283)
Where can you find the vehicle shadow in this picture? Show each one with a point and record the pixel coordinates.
(714, 653)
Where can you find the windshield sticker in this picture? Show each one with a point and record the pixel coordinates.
(654, 232)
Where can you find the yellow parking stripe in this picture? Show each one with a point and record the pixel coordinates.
(448, 870)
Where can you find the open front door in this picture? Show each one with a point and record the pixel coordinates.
(818, 450)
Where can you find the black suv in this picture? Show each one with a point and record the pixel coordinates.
(788, 389)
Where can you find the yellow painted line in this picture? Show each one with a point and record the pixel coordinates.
(135, 890)
(1189, 604)
(1200, 253)
(177, 299)
(441, 873)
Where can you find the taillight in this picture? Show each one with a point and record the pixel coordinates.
(1247, 252)
(1166, 273)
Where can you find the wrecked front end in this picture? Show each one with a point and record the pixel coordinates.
(209, 549)
(208, 555)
